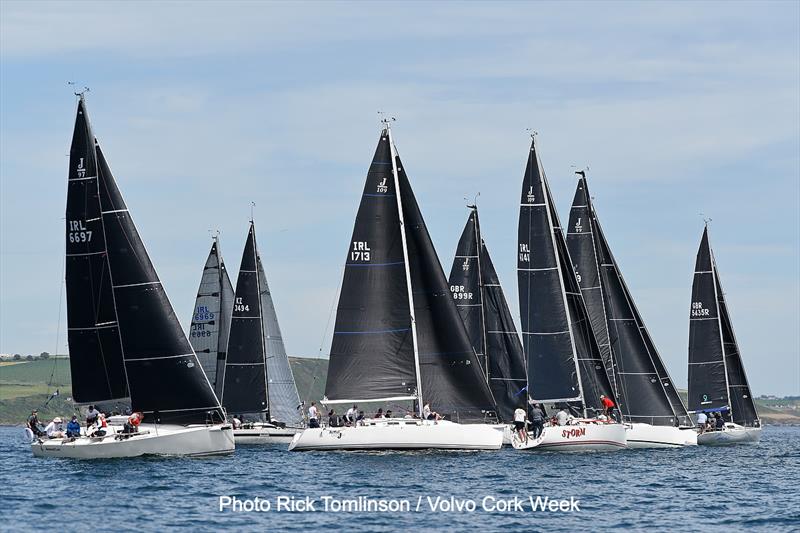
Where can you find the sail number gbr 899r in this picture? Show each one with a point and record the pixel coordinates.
(78, 232)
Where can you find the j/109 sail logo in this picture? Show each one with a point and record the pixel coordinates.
(382, 187)
(78, 232)
(360, 252)
(531, 197)
(698, 310)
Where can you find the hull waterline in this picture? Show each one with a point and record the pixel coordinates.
(641, 435)
(579, 437)
(732, 434)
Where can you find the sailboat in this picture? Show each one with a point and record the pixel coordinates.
(649, 403)
(258, 385)
(398, 335)
(564, 365)
(479, 298)
(717, 380)
(211, 318)
(124, 337)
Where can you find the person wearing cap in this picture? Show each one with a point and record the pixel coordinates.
(73, 428)
(33, 423)
(54, 429)
(608, 406)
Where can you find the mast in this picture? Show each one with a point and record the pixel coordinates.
(412, 314)
(719, 323)
(260, 315)
(478, 246)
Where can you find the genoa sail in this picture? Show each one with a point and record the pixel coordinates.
(284, 402)
(480, 300)
(245, 389)
(374, 352)
(164, 377)
(564, 363)
(211, 317)
(642, 387)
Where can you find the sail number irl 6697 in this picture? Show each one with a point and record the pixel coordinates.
(78, 232)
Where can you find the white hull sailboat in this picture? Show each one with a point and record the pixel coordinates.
(400, 434)
(731, 434)
(717, 379)
(398, 336)
(565, 366)
(151, 439)
(640, 435)
(582, 436)
(125, 341)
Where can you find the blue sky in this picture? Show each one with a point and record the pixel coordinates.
(677, 108)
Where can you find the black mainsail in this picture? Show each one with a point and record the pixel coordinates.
(211, 318)
(398, 334)
(480, 300)
(717, 380)
(258, 379)
(118, 311)
(643, 388)
(564, 363)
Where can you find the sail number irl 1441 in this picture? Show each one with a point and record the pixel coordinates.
(78, 232)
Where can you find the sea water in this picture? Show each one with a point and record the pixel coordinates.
(696, 488)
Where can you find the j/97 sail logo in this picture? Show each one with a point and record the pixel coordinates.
(81, 170)
(360, 251)
(78, 232)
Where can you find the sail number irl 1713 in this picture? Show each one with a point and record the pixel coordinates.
(78, 232)
(360, 251)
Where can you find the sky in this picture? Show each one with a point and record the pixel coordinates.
(677, 109)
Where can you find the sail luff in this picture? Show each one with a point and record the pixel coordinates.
(226, 296)
(478, 247)
(404, 239)
(719, 322)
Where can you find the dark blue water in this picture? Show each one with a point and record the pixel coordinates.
(730, 488)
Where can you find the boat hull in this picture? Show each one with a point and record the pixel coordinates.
(150, 440)
(400, 434)
(641, 435)
(579, 437)
(264, 434)
(732, 434)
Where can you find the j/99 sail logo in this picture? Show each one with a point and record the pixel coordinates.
(78, 232)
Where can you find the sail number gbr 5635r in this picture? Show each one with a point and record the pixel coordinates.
(78, 232)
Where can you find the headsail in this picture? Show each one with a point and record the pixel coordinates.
(96, 362)
(480, 300)
(563, 357)
(284, 402)
(374, 355)
(164, 377)
(642, 386)
(245, 382)
(211, 318)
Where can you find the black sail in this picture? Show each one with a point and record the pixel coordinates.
(743, 409)
(582, 246)
(96, 362)
(245, 382)
(211, 317)
(165, 378)
(453, 378)
(372, 352)
(708, 385)
(563, 358)
(491, 327)
(643, 387)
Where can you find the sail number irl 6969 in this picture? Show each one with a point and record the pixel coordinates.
(78, 232)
